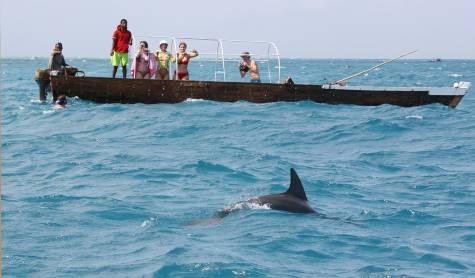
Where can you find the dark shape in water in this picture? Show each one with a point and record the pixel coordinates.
(293, 200)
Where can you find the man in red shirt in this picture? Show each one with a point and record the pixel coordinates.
(121, 39)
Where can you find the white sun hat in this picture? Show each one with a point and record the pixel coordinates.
(162, 42)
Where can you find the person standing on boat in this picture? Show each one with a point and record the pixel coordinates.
(121, 39)
(164, 58)
(183, 59)
(144, 64)
(249, 65)
(56, 59)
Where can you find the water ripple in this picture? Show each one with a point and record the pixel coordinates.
(109, 190)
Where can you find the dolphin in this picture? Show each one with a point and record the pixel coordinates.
(293, 200)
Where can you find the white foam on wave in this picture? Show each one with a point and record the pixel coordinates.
(37, 101)
(239, 273)
(45, 112)
(246, 205)
(455, 75)
(414, 117)
(258, 206)
(234, 207)
(147, 223)
(194, 100)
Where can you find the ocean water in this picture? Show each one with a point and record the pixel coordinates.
(113, 190)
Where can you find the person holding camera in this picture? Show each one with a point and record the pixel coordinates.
(144, 64)
(249, 65)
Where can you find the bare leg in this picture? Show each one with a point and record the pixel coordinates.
(147, 76)
(114, 71)
(138, 75)
(162, 75)
(124, 71)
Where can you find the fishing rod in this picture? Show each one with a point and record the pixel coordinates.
(370, 69)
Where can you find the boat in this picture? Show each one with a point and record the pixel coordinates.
(109, 90)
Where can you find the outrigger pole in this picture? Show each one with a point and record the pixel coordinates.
(370, 69)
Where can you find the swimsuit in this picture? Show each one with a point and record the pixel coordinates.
(144, 72)
(164, 59)
(182, 75)
(184, 61)
(145, 69)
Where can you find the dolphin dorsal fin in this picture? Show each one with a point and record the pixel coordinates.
(296, 187)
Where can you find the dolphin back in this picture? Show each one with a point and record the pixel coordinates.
(296, 187)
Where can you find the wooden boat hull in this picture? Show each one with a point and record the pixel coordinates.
(108, 90)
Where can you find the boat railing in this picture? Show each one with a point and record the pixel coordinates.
(272, 52)
(269, 54)
(219, 66)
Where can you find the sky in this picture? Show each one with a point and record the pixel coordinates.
(300, 28)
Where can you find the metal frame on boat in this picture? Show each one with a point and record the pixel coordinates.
(109, 90)
(272, 53)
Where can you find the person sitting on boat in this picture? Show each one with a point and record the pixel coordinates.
(121, 39)
(249, 65)
(144, 64)
(163, 58)
(183, 59)
(61, 102)
(56, 59)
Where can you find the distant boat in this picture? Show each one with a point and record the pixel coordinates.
(436, 60)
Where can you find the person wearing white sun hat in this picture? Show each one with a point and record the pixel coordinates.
(163, 58)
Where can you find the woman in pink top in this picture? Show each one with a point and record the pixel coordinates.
(144, 65)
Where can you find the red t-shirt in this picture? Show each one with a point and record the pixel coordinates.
(121, 40)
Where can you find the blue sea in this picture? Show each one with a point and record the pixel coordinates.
(117, 190)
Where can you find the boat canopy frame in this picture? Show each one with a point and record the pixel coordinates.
(220, 57)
